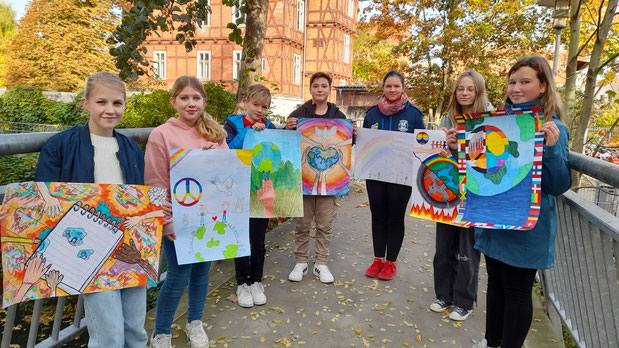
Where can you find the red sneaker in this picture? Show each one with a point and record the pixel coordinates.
(375, 268)
(388, 271)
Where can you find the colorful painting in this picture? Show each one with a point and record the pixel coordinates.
(384, 156)
(326, 146)
(435, 194)
(276, 188)
(66, 238)
(500, 164)
(210, 204)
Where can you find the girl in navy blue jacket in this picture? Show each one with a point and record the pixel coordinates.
(513, 257)
(388, 201)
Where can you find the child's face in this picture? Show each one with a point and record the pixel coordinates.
(393, 88)
(256, 110)
(524, 86)
(465, 92)
(189, 104)
(105, 106)
(320, 90)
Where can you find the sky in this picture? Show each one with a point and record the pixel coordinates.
(18, 6)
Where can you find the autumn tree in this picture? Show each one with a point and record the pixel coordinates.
(59, 43)
(8, 29)
(449, 36)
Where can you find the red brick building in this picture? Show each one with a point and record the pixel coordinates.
(302, 37)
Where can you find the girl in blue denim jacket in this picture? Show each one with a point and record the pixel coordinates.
(513, 257)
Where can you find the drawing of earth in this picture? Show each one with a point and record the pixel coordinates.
(440, 182)
(498, 157)
(266, 157)
(321, 158)
(212, 237)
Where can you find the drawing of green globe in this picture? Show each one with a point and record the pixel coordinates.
(266, 157)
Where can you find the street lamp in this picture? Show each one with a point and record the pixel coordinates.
(560, 15)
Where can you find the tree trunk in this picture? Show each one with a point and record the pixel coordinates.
(253, 43)
(572, 63)
(592, 72)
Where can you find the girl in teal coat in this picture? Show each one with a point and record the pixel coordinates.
(513, 257)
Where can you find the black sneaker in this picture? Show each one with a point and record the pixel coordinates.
(439, 306)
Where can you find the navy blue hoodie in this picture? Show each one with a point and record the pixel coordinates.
(405, 120)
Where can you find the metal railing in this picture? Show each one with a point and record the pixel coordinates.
(583, 284)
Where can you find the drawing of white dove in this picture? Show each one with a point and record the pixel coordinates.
(225, 186)
(325, 133)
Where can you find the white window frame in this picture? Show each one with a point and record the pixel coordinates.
(342, 82)
(296, 69)
(236, 14)
(203, 72)
(351, 8)
(159, 64)
(205, 22)
(346, 48)
(300, 16)
(236, 63)
(264, 65)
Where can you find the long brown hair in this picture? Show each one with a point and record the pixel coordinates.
(481, 98)
(551, 100)
(206, 125)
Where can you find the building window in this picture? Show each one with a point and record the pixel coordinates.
(296, 70)
(236, 13)
(159, 60)
(204, 65)
(206, 21)
(346, 48)
(236, 64)
(264, 64)
(342, 82)
(300, 23)
(351, 8)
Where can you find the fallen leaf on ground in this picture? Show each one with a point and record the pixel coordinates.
(232, 298)
(363, 204)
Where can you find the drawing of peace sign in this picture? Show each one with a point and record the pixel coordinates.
(187, 192)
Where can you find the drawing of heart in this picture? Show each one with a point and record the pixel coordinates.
(214, 218)
(321, 158)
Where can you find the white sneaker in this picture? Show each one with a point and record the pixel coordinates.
(439, 305)
(257, 293)
(196, 336)
(482, 344)
(460, 314)
(243, 296)
(323, 272)
(299, 270)
(160, 341)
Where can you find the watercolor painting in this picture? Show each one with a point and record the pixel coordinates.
(326, 146)
(67, 238)
(435, 194)
(210, 204)
(384, 156)
(500, 164)
(276, 188)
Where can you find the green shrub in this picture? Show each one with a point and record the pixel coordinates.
(147, 110)
(16, 168)
(220, 102)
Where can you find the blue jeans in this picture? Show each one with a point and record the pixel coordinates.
(178, 277)
(115, 318)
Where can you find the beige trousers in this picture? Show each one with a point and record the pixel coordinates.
(322, 209)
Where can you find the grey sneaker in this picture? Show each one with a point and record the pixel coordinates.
(460, 314)
(257, 293)
(243, 296)
(160, 341)
(196, 336)
(439, 305)
(482, 344)
(299, 270)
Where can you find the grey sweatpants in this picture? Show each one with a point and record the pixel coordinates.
(456, 265)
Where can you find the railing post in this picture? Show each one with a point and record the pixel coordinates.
(8, 326)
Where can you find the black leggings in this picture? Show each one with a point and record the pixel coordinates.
(388, 206)
(249, 268)
(510, 306)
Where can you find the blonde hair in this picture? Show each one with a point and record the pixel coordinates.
(104, 78)
(258, 93)
(551, 100)
(206, 125)
(481, 98)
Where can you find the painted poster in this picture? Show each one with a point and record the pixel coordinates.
(326, 146)
(68, 238)
(384, 156)
(435, 194)
(210, 204)
(276, 188)
(500, 164)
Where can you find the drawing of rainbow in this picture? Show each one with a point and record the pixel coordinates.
(178, 156)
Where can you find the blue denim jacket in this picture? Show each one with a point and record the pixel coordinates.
(69, 157)
(533, 248)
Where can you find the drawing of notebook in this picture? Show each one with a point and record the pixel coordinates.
(78, 246)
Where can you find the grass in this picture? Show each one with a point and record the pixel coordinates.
(288, 202)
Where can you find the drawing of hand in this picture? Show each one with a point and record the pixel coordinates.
(52, 206)
(3, 214)
(34, 269)
(239, 205)
(128, 253)
(267, 196)
(132, 221)
(53, 278)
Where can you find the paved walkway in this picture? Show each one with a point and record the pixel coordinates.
(355, 311)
